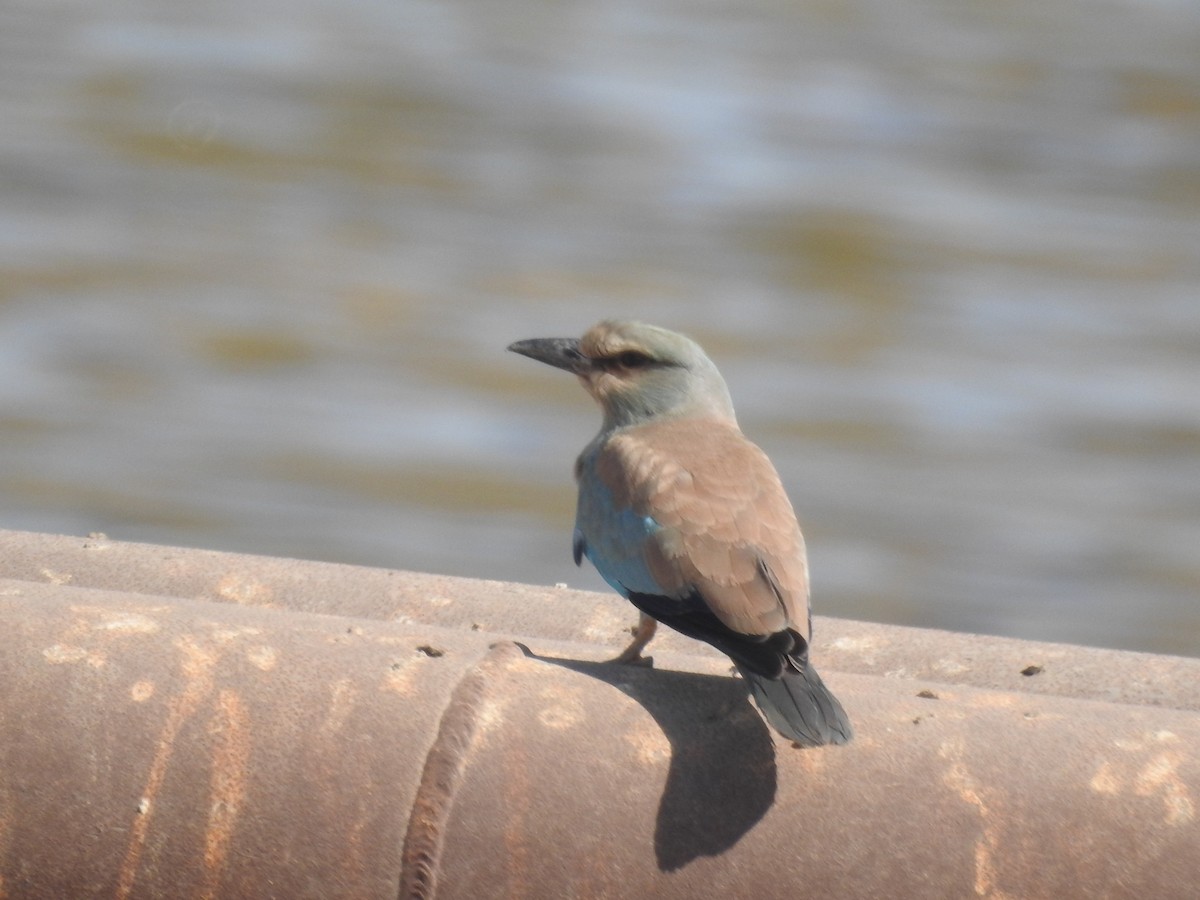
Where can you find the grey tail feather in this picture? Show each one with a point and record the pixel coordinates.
(800, 707)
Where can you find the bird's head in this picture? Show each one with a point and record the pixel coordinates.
(637, 372)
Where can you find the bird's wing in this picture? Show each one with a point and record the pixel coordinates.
(725, 526)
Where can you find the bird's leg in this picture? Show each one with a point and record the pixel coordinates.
(642, 632)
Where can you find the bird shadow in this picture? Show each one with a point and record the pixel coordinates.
(722, 777)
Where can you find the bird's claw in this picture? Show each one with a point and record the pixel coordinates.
(632, 656)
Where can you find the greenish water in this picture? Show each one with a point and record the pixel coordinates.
(258, 266)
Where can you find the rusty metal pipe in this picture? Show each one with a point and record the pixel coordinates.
(517, 610)
(153, 745)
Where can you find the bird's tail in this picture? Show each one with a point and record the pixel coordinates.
(800, 707)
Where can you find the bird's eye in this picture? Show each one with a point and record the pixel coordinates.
(631, 359)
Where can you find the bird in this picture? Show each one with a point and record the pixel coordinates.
(688, 520)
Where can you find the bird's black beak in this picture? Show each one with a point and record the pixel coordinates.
(562, 353)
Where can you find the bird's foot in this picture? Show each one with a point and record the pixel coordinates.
(632, 656)
(642, 632)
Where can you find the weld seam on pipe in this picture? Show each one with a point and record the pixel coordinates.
(443, 773)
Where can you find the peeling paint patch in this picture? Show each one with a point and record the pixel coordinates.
(225, 634)
(1158, 775)
(492, 713)
(61, 654)
(1156, 772)
(54, 577)
(563, 710)
(1161, 775)
(1105, 781)
(950, 667)
(141, 691)
(997, 701)
(128, 623)
(341, 704)
(399, 677)
(650, 745)
(238, 588)
(959, 779)
(58, 654)
(560, 717)
(263, 657)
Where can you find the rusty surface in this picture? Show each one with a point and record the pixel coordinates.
(155, 748)
(516, 610)
(974, 794)
(155, 743)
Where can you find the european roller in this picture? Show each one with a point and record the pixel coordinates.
(688, 520)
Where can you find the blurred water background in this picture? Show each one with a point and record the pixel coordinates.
(259, 263)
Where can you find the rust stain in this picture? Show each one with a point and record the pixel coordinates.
(230, 727)
(196, 664)
(959, 779)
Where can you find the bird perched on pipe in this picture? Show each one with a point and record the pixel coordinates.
(687, 519)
